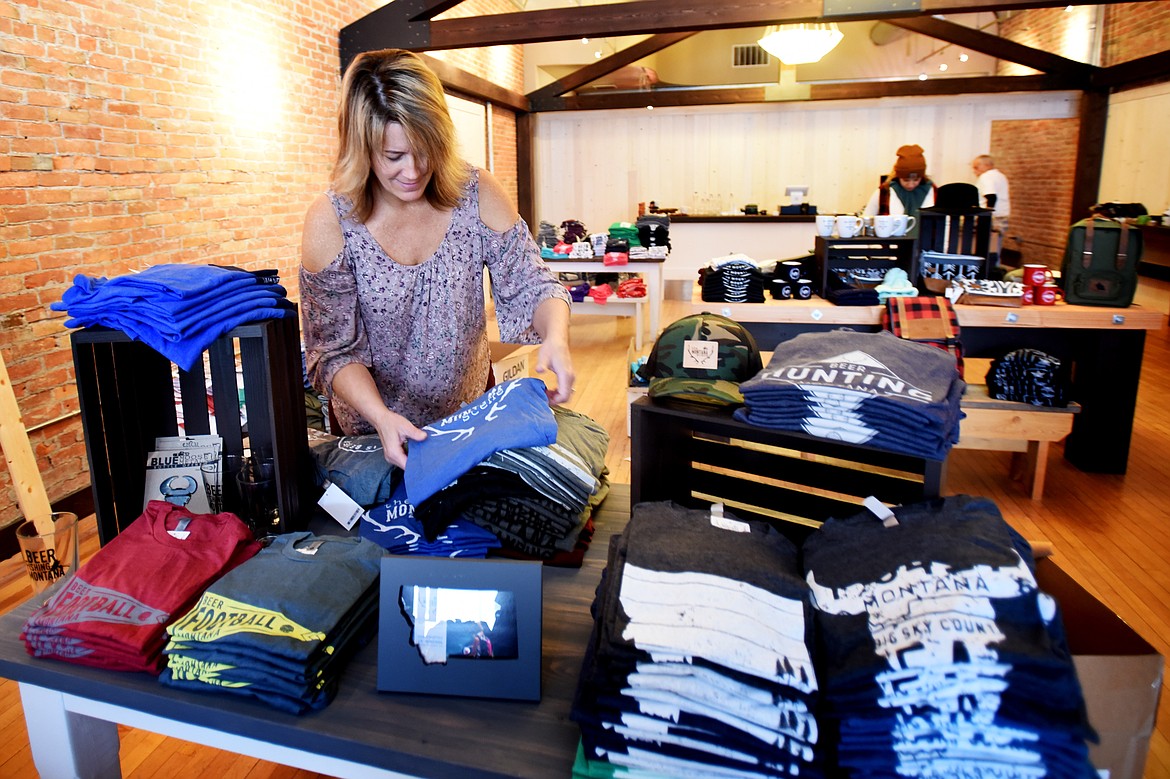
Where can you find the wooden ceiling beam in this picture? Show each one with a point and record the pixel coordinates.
(662, 98)
(943, 86)
(457, 80)
(596, 70)
(1149, 69)
(406, 23)
(995, 46)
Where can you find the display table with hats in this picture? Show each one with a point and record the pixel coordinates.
(1103, 345)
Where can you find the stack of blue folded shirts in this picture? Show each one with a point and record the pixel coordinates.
(938, 653)
(394, 527)
(871, 389)
(179, 310)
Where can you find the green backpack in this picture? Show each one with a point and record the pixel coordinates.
(1100, 262)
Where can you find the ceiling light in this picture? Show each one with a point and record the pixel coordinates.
(922, 76)
(963, 57)
(799, 44)
(942, 67)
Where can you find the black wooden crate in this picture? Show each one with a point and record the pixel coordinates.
(127, 398)
(695, 456)
(842, 255)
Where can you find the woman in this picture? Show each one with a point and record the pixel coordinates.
(392, 260)
(906, 190)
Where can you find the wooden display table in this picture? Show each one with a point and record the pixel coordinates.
(651, 272)
(72, 710)
(1104, 346)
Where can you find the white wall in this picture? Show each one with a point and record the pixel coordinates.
(1136, 166)
(597, 166)
(470, 129)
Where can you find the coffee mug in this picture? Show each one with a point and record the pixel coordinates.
(1046, 295)
(791, 270)
(903, 224)
(825, 224)
(1035, 275)
(848, 225)
(1029, 295)
(782, 289)
(804, 289)
(883, 226)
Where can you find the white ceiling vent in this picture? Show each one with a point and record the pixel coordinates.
(749, 55)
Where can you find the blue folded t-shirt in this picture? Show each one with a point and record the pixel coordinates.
(509, 416)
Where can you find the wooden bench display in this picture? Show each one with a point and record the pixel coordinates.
(1006, 426)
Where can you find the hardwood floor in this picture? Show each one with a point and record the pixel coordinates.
(1112, 533)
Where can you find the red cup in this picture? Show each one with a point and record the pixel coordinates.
(1047, 295)
(1035, 275)
(1029, 295)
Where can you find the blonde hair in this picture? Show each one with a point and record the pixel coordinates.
(394, 85)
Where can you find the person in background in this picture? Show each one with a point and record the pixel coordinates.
(393, 258)
(906, 190)
(994, 191)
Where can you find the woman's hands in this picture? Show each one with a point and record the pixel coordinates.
(551, 322)
(355, 386)
(554, 356)
(394, 430)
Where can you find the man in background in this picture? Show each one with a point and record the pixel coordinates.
(993, 191)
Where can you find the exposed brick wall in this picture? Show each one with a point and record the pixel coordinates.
(1134, 30)
(1039, 159)
(135, 135)
(1053, 30)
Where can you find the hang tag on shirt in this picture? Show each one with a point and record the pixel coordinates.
(703, 355)
(311, 547)
(726, 523)
(881, 511)
(181, 532)
(340, 506)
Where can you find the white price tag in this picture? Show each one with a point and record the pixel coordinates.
(340, 506)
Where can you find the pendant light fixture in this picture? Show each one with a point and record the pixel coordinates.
(800, 44)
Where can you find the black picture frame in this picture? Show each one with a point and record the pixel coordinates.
(401, 667)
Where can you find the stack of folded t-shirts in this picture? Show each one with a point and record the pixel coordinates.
(598, 241)
(625, 231)
(546, 235)
(873, 389)
(734, 278)
(654, 233)
(573, 230)
(633, 287)
(281, 626)
(601, 293)
(394, 527)
(938, 653)
(537, 499)
(179, 310)
(113, 612)
(842, 293)
(699, 663)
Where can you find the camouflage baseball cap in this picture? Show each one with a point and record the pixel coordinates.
(703, 358)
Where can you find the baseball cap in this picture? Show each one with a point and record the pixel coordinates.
(702, 358)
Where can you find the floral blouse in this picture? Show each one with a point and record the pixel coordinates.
(421, 329)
